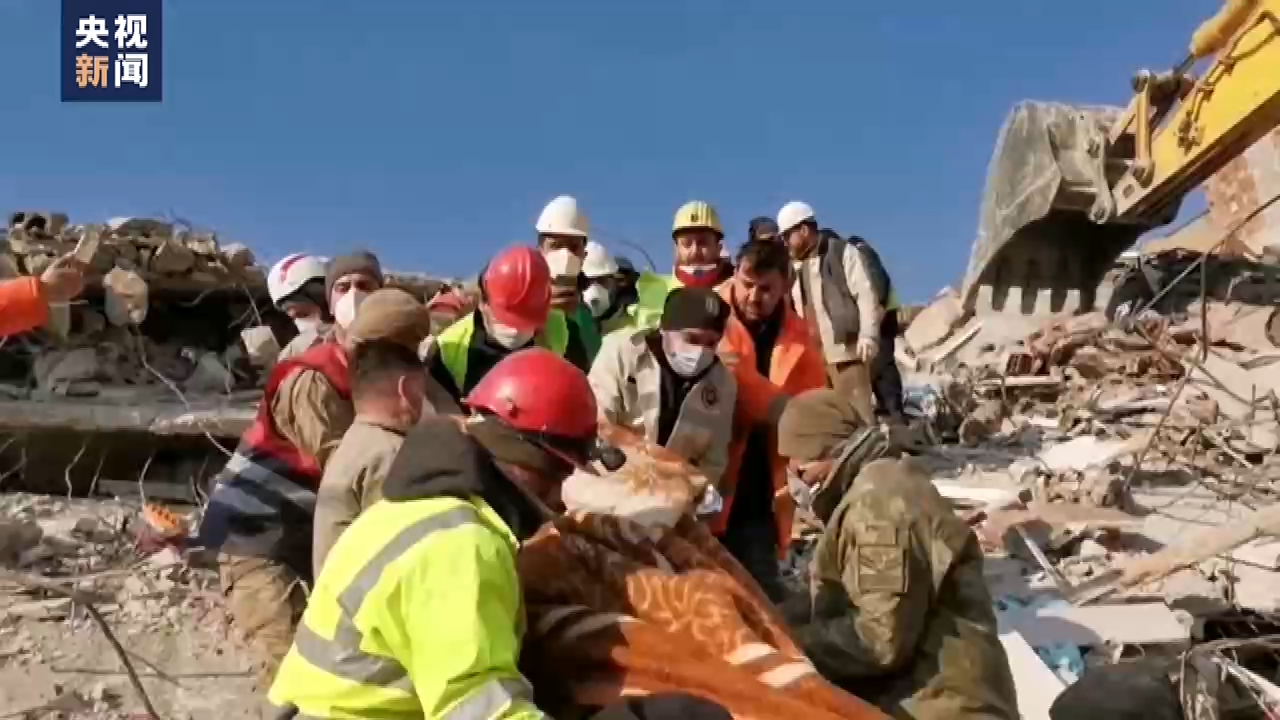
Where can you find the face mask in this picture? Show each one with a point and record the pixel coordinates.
(698, 276)
(597, 299)
(563, 263)
(506, 336)
(685, 359)
(307, 324)
(345, 311)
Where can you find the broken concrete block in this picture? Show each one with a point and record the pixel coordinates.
(9, 267)
(237, 256)
(934, 323)
(37, 263)
(205, 245)
(59, 368)
(209, 376)
(260, 346)
(172, 258)
(17, 537)
(126, 297)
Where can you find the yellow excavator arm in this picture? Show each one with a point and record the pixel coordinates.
(1070, 188)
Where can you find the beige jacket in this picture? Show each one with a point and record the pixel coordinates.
(309, 413)
(625, 377)
(352, 482)
(869, 310)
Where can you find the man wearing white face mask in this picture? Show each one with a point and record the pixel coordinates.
(514, 314)
(668, 385)
(562, 238)
(606, 294)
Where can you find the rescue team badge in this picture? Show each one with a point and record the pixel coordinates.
(709, 395)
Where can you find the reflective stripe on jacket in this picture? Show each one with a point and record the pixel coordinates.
(454, 344)
(264, 499)
(416, 614)
(796, 366)
(625, 379)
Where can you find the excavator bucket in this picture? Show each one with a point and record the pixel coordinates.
(1047, 230)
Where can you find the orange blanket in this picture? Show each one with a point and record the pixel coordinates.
(615, 609)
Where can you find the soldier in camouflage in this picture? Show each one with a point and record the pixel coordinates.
(897, 610)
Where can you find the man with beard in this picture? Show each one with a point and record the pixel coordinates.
(773, 358)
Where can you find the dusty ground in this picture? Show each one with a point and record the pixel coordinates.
(55, 662)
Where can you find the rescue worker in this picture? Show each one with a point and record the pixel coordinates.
(762, 228)
(24, 301)
(698, 239)
(389, 395)
(296, 285)
(562, 238)
(514, 314)
(260, 514)
(898, 613)
(417, 612)
(773, 359)
(606, 293)
(835, 295)
(447, 306)
(668, 384)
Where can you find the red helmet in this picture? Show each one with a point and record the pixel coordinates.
(517, 288)
(541, 394)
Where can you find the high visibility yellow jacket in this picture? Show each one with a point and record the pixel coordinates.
(651, 296)
(452, 349)
(417, 612)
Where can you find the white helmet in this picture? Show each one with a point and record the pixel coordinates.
(290, 274)
(792, 214)
(561, 216)
(599, 262)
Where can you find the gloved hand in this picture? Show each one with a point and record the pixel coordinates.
(866, 349)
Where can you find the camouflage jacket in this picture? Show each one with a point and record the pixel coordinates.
(900, 614)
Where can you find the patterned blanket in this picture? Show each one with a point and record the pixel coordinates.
(616, 609)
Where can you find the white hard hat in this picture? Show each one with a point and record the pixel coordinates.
(599, 262)
(561, 216)
(792, 214)
(291, 273)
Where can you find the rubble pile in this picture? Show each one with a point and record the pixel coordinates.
(158, 365)
(1122, 474)
(164, 610)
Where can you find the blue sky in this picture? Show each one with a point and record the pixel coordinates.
(434, 132)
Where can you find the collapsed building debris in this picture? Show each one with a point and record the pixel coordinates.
(1119, 467)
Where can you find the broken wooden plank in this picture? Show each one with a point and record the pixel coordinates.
(1194, 548)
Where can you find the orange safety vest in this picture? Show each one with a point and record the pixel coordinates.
(796, 366)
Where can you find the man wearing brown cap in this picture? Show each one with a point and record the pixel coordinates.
(668, 385)
(898, 612)
(260, 514)
(389, 394)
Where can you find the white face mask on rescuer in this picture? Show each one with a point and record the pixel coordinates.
(307, 324)
(685, 359)
(345, 311)
(507, 336)
(563, 263)
(597, 299)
